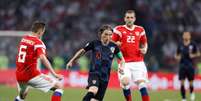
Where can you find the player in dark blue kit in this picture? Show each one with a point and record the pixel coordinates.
(103, 52)
(186, 51)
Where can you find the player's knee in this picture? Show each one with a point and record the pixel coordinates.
(142, 84)
(94, 99)
(58, 85)
(125, 81)
(93, 89)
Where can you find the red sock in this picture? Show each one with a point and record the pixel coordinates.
(128, 98)
(57, 95)
(56, 98)
(145, 98)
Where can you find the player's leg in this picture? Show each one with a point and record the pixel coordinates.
(142, 86)
(58, 92)
(191, 75)
(23, 90)
(101, 91)
(93, 84)
(46, 83)
(140, 77)
(182, 76)
(125, 79)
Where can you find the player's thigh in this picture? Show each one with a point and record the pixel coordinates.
(139, 72)
(101, 91)
(42, 82)
(191, 74)
(126, 74)
(182, 73)
(93, 82)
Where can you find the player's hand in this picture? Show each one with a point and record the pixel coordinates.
(59, 76)
(143, 50)
(69, 64)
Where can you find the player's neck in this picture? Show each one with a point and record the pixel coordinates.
(105, 43)
(186, 43)
(35, 34)
(130, 26)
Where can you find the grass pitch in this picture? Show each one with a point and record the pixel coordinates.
(76, 94)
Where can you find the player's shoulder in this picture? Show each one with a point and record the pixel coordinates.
(138, 27)
(118, 27)
(113, 44)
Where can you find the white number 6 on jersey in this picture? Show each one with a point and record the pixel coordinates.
(22, 54)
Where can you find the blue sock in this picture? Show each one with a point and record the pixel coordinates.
(143, 91)
(126, 92)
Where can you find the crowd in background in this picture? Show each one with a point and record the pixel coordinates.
(71, 23)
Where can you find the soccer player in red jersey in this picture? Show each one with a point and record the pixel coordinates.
(30, 49)
(133, 43)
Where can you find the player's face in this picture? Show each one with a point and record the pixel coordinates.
(106, 35)
(129, 19)
(186, 36)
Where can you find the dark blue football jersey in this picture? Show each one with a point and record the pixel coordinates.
(186, 61)
(102, 57)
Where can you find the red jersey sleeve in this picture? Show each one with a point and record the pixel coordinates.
(116, 36)
(143, 38)
(40, 48)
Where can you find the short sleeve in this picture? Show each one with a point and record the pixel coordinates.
(116, 35)
(195, 48)
(40, 48)
(89, 46)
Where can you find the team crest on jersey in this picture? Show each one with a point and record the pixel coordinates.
(137, 33)
(112, 49)
(94, 81)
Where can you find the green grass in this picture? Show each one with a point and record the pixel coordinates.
(76, 94)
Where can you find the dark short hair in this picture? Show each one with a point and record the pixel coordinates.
(103, 28)
(130, 11)
(37, 25)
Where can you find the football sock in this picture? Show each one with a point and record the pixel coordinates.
(57, 95)
(88, 96)
(127, 94)
(191, 89)
(183, 92)
(144, 94)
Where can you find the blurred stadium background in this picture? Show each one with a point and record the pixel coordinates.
(71, 23)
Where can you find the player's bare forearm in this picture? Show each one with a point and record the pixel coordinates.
(78, 55)
(144, 48)
(75, 57)
(47, 64)
(122, 62)
(178, 57)
(194, 55)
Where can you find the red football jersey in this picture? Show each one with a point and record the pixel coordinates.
(130, 39)
(30, 47)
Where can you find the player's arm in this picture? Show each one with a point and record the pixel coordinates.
(143, 43)
(47, 64)
(122, 62)
(144, 48)
(194, 53)
(77, 55)
(116, 37)
(178, 54)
